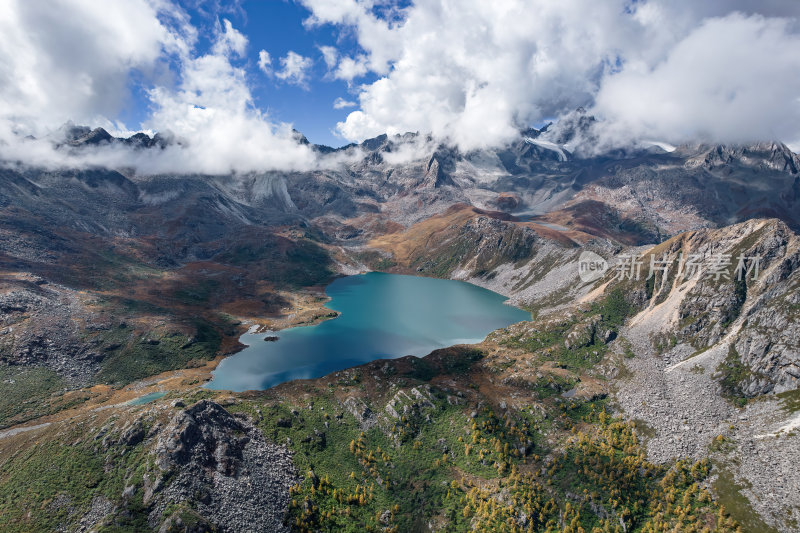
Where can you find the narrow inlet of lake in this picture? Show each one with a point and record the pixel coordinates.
(383, 316)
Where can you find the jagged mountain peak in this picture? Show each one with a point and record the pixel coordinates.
(77, 135)
(767, 155)
(572, 127)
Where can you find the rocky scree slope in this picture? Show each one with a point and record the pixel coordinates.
(714, 362)
(164, 467)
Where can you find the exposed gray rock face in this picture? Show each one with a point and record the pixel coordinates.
(730, 341)
(405, 178)
(757, 317)
(488, 243)
(440, 168)
(476, 248)
(769, 344)
(759, 156)
(40, 325)
(235, 479)
(101, 507)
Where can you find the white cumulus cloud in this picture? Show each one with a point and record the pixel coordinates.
(265, 61)
(475, 71)
(735, 78)
(229, 40)
(472, 72)
(330, 55)
(295, 69)
(341, 103)
(351, 67)
(74, 60)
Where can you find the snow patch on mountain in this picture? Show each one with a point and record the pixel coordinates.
(549, 146)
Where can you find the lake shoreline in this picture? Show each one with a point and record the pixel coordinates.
(395, 316)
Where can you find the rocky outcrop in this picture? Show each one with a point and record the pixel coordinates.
(734, 286)
(507, 201)
(701, 186)
(439, 168)
(768, 344)
(40, 325)
(765, 310)
(223, 468)
(473, 241)
(760, 156)
(702, 347)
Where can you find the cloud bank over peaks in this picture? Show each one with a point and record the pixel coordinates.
(76, 61)
(470, 73)
(476, 72)
(734, 78)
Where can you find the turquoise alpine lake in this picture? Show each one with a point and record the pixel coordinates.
(382, 316)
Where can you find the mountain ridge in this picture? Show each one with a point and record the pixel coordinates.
(115, 284)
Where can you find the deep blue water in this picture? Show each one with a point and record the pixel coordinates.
(382, 316)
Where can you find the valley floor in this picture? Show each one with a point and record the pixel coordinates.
(572, 420)
(379, 445)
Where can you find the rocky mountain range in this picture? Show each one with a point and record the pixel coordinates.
(113, 282)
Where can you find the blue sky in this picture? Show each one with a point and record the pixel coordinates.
(277, 27)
